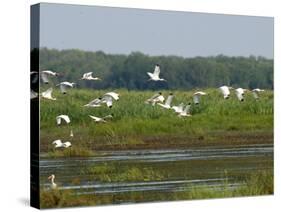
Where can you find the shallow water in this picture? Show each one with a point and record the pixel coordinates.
(203, 167)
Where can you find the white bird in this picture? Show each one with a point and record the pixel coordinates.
(256, 92)
(88, 76)
(71, 133)
(186, 111)
(196, 96)
(108, 100)
(179, 108)
(98, 119)
(240, 93)
(225, 91)
(33, 94)
(167, 104)
(46, 73)
(155, 75)
(62, 117)
(48, 94)
(109, 97)
(65, 85)
(155, 99)
(114, 95)
(34, 77)
(60, 144)
(94, 103)
(53, 184)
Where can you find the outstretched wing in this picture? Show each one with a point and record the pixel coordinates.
(196, 99)
(57, 142)
(48, 93)
(44, 77)
(113, 95)
(63, 88)
(169, 100)
(255, 94)
(156, 71)
(187, 109)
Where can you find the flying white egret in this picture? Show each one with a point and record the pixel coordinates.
(33, 94)
(256, 92)
(167, 104)
(225, 91)
(114, 95)
(155, 99)
(240, 93)
(94, 103)
(108, 100)
(34, 77)
(53, 184)
(45, 75)
(62, 117)
(179, 108)
(88, 76)
(60, 144)
(196, 96)
(155, 75)
(48, 94)
(98, 119)
(65, 85)
(186, 111)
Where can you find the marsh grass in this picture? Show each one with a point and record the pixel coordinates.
(134, 121)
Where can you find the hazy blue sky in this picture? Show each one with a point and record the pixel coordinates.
(117, 30)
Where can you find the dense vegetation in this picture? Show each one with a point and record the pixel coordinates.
(138, 125)
(129, 71)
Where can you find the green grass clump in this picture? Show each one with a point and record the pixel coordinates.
(114, 173)
(260, 183)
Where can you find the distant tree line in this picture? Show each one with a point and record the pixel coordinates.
(129, 71)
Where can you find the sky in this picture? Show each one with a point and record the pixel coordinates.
(154, 32)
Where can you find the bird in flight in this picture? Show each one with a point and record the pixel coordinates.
(155, 75)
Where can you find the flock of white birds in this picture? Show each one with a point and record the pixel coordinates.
(107, 99)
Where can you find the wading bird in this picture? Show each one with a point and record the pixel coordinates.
(186, 111)
(64, 118)
(196, 96)
(155, 75)
(48, 94)
(45, 75)
(167, 104)
(88, 76)
(65, 85)
(52, 179)
(98, 119)
(225, 91)
(155, 99)
(71, 133)
(256, 92)
(60, 144)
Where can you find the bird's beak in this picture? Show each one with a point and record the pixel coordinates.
(50, 177)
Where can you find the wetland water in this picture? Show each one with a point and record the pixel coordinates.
(180, 169)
